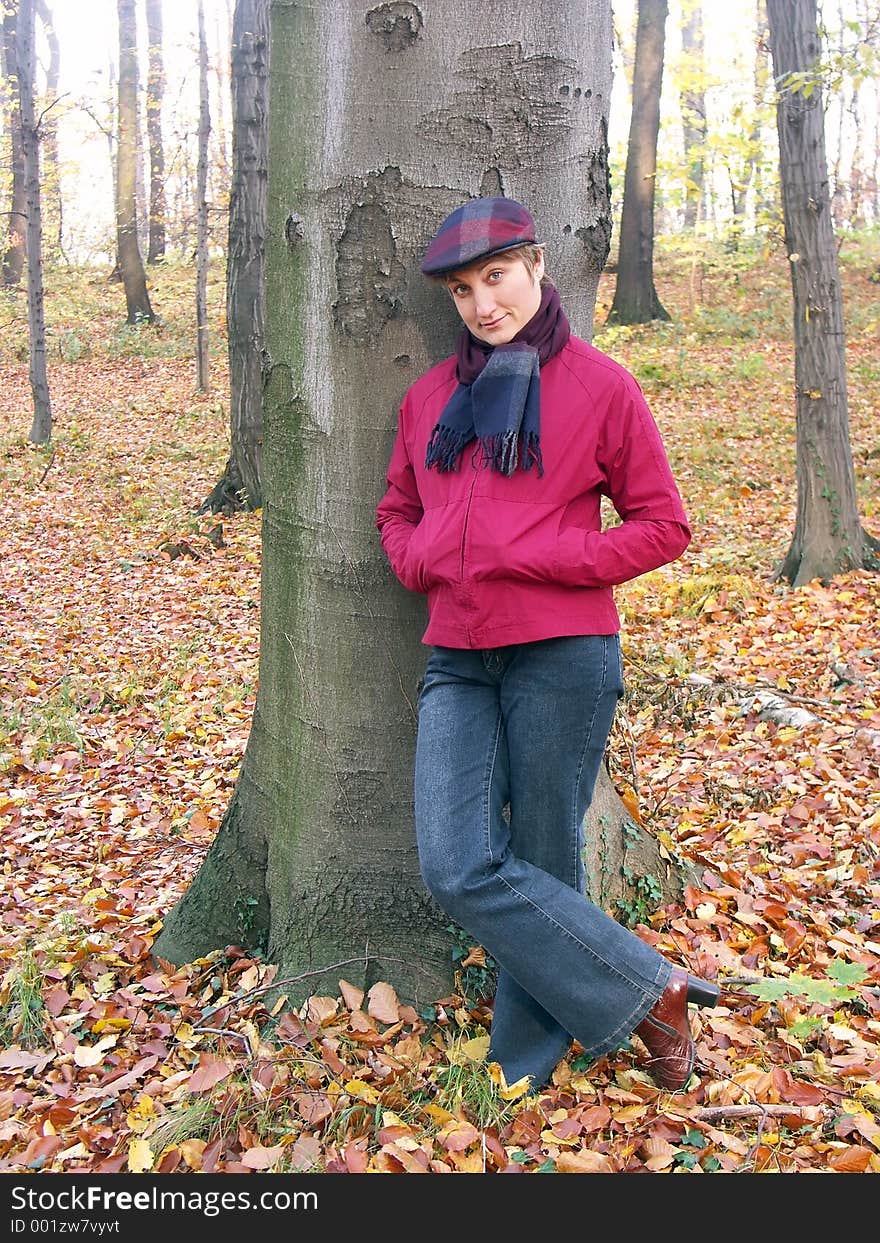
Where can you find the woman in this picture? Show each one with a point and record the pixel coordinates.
(502, 454)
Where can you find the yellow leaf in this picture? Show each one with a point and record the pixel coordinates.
(362, 1091)
(583, 1162)
(583, 1087)
(508, 1092)
(439, 1114)
(191, 1150)
(140, 1156)
(116, 1024)
(631, 803)
(141, 1115)
(476, 1049)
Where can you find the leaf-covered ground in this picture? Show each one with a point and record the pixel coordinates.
(749, 741)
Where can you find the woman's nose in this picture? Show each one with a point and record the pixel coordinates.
(484, 303)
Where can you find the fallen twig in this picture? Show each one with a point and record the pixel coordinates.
(48, 465)
(714, 1112)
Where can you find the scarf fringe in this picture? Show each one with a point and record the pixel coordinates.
(502, 452)
(445, 445)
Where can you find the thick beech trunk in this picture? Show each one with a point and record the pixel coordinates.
(382, 120)
(155, 94)
(239, 487)
(41, 427)
(635, 298)
(828, 536)
(137, 300)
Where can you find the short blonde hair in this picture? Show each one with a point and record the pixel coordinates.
(528, 252)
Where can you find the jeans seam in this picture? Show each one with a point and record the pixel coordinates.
(642, 1006)
(586, 747)
(487, 789)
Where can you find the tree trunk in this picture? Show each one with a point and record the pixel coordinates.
(41, 427)
(240, 487)
(316, 859)
(202, 361)
(635, 298)
(16, 241)
(752, 153)
(828, 537)
(51, 166)
(155, 93)
(693, 108)
(218, 168)
(137, 300)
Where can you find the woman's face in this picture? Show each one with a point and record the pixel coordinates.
(496, 297)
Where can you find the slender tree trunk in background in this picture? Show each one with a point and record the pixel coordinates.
(112, 146)
(16, 238)
(218, 168)
(155, 94)
(753, 144)
(635, 298)
(828, 537)
(41, 427)
(855, 215)
(693, 107)
(137, 300)
(838, 195)
(202, 360)
(51, 165)
(240, 487)
(316, 858)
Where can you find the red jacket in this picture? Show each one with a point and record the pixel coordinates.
(513, 559)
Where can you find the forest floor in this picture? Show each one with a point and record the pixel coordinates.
(130, 646)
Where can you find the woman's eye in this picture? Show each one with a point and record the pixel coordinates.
(459, 290)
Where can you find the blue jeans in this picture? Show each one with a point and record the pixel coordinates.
(524, 727)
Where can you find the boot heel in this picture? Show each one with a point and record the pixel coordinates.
(702, 992)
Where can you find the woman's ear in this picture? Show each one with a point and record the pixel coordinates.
(539, 267)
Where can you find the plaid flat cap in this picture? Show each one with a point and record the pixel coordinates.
(476, 229)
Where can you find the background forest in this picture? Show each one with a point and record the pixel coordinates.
(133, 586)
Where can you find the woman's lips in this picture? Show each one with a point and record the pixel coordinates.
(493, 323)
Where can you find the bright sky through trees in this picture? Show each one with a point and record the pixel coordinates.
(88, 37)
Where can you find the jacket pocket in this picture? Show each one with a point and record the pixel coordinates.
(511, 540)
(433, 555)
(569, 559)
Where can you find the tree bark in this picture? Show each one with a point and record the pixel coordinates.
(635, 298)
(16, 240)
(41, 427)
(155, 94)
(401, 114)
(202, 357)
(748, 177)
(239, 487)
(693, 108)
(828, 537)
(137, 300)
(51, 167)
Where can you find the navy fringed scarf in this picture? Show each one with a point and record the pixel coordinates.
(498, 399)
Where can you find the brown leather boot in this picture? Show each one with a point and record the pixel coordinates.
(666, 1032)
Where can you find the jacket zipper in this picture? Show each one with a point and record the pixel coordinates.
(465, 526)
